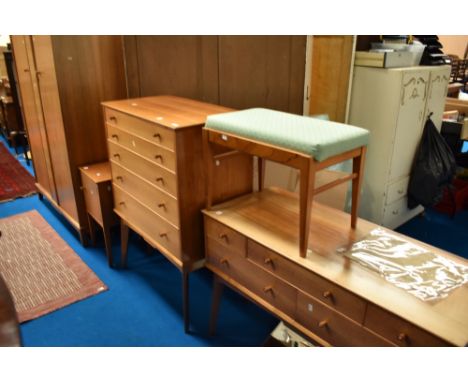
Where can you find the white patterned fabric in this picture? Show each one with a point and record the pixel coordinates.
(316, 137)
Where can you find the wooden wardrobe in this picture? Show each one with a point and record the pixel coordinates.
(62, 81)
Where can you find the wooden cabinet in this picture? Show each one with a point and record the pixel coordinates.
(62, 80)
(155, 150)
(251, 246)
(393, 104)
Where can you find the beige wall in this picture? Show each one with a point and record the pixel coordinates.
(454, 44)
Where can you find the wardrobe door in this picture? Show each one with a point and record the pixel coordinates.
(54, 123)
(32, 113)
(262, 71)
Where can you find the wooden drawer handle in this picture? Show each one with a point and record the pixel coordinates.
(403, 337)
(224, 262)
(323, 324)
(162, 205)
(158, 156)
(117, 156)
(269, 261)
(113, 119)
(160, 179)
(119, 178)
(157, 135)
(121, 203)
(163, 234)
(328, 294)
(224, 236)
(269, 289)
(116, 137)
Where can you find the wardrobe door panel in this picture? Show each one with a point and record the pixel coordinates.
(54, 123)
(262, 71)
(32, 113)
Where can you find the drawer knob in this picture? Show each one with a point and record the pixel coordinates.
(119, 178)
(323, 324)
(158, 156)
(117, 156)
(268, 289)
(163, 234)
(223, 236)
(157, 136)
(328, 294)
(403, 337)
(269, 261)
(160, 180)
(122, 203)
(224, 262)
(162, 205)
(395, 212)
(113, 119)
(116, 137)
(401, 191)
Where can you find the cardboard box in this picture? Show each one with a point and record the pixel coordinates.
(384, 59)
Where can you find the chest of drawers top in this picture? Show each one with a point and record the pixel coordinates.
(167, 111)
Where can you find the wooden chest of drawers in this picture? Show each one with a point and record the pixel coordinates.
(155, 150)
(251, 245)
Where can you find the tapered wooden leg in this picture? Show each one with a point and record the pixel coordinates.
(209, 166)
(261, 173)
(124, 230)
(92, 231)
(185, 300)
(306, 198)
(108, 244)
(218, 288)
(40, 196)
(83, 238)
(358, 168)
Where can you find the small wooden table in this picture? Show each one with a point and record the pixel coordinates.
(97, 188)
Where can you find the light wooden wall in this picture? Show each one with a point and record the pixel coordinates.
(454, 44)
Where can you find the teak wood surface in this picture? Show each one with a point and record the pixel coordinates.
(270, 219)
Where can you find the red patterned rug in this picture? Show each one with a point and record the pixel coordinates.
(15, 180)
(41, 271)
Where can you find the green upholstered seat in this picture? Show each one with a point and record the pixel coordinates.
(316, 137)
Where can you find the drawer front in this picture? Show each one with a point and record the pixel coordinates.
(148, 222)
(160, 202)
(325, 291)
(150, 151)
(332, 326)
(397, 190)
(221, 258)
(398, 331)
(91, 195)
(143, 129)
(228, 238)
(395, 213)
(156, 175)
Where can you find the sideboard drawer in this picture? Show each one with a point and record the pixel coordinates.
(398, 331)
(327, 292)
(157, 154)
(156, 175)
(332, 326)
(160, 202)
(227, 237)
(144, 129)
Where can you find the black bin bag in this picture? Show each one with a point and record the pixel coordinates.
(433, 168)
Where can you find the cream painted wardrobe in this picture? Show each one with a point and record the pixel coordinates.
(394, 104)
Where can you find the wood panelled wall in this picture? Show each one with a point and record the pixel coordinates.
(234, 71)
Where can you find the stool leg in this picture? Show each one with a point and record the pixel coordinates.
(209, 165)
(306, 198)
(261, 173)
(358, 168)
